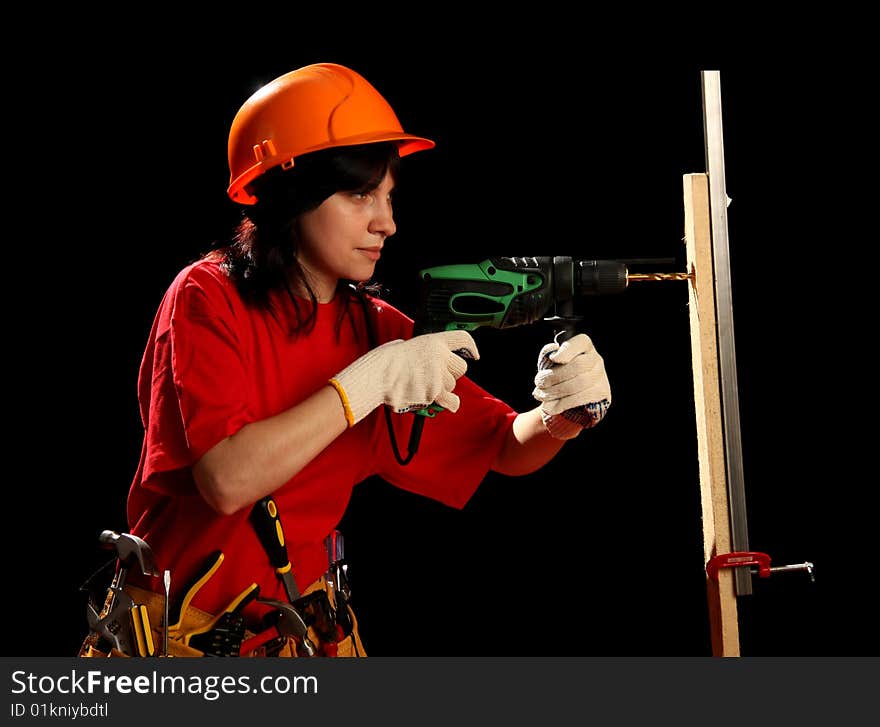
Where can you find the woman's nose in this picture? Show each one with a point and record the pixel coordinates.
(383, 220)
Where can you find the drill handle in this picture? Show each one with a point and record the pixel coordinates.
(565, 323)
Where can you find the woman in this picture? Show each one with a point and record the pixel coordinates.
(266, 369)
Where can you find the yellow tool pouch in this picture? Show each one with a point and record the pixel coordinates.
(194, 621)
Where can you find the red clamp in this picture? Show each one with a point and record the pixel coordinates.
(736, 559)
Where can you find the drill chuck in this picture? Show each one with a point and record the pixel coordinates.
(599, 277)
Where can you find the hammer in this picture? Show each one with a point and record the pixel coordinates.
(129, 547)
(290, 623)
(110, 625)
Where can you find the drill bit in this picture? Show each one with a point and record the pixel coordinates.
(658, 276)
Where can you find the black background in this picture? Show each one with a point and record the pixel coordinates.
(546, 145)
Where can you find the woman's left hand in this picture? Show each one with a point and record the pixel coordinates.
(572, 386)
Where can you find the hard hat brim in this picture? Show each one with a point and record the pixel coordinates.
(406, 144)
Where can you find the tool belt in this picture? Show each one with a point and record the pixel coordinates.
(199, 633)
(137, 622)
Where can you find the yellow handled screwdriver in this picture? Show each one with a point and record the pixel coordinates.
(267, 524)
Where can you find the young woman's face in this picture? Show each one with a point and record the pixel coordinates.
(343, 237)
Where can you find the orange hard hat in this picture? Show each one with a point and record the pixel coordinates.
(314, 107)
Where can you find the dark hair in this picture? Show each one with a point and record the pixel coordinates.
(261, 256)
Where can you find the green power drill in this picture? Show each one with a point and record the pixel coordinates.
(503, 292)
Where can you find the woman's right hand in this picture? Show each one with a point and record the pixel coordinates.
(406, 375)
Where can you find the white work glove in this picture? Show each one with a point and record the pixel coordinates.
(406, 375)
(572, 386)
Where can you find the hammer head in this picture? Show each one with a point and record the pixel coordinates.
(130, 548)
(289, 622)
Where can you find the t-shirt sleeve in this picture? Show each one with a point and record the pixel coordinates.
(209, 372)
(199, 386)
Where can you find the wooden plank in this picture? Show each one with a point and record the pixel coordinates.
(723, 619)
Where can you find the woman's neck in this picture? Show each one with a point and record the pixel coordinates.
(324, 290)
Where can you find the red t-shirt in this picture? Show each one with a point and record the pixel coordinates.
(212, 365)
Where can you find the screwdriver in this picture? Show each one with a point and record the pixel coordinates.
(267, 524)
(166, 581)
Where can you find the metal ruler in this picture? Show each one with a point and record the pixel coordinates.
(718, 203)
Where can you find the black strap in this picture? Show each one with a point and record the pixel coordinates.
(418, 421)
